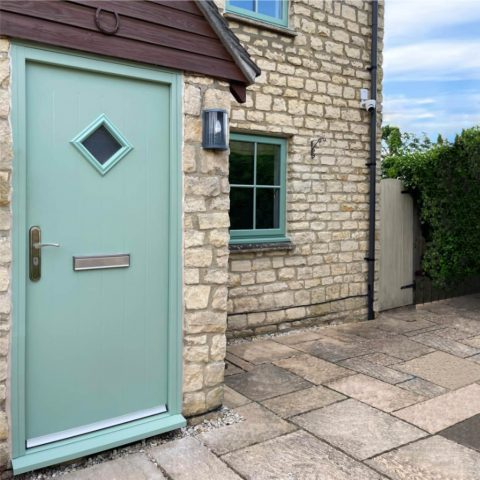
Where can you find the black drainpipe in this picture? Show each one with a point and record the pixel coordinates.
(372, 166)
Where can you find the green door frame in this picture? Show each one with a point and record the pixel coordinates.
(22, 459)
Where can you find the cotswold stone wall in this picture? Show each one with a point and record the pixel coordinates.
(206, 222)
(5, 253)
(310, 88)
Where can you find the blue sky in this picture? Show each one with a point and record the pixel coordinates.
(432, 65)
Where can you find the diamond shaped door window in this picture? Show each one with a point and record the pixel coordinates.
(102, 144)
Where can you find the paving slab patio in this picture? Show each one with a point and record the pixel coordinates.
(356, 401)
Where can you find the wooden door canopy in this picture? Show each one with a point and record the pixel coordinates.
(188, 35)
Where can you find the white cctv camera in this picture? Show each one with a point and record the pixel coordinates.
(367, 103)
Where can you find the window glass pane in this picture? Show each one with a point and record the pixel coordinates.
(241, 208)
(101, 144)
(246, 4)
(268, 164)
(241, 163)
(272, 8)
(268, 208)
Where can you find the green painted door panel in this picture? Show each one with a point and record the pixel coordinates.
(96, 341)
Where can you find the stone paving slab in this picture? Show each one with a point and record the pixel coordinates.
(366, 330)
(231, 369)
(473, 341)
(475, 358)
(332, 349)
(423, 387)
(466, 433)
(295, 338)
(433, 458)
(378, 394)
(302, 401)
(395, 324)
(400, 347)
(443, 369)
(466, 301)
(261, 351)
(233, 399)
(297, 456)
(445, 344)
(445, 410)
(188, 459)
(412, 333)
(239, 362)
(313, 369)
(472, 302)
(136, 466)
(358, 429)
(266, 381)
(348, 337)
(385, 374)
(259, 425)
(379, 359)
(454, 320)
(451, 333)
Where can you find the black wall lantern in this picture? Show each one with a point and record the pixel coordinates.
(215, 129)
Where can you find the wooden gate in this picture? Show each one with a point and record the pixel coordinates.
(396, 246)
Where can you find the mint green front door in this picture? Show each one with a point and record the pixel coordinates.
(97, 315)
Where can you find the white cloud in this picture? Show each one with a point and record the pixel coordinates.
(414, 19)
(446, 114)
(436, 42)
(430, 60)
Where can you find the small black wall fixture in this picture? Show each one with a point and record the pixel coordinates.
(215, 129)
(314, 145)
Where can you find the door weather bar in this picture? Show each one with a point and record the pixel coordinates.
(93, 427)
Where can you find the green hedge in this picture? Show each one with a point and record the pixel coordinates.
(444, 179)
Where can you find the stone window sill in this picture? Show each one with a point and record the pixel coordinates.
(261, 246)
(288, 32)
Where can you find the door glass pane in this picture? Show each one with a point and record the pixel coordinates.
(241, 208)
(268, 164)
(272, 8)
(246, 4)
(241, 163)
(268, 208)
(101, 144)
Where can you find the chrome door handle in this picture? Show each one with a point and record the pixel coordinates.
(35, 246)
